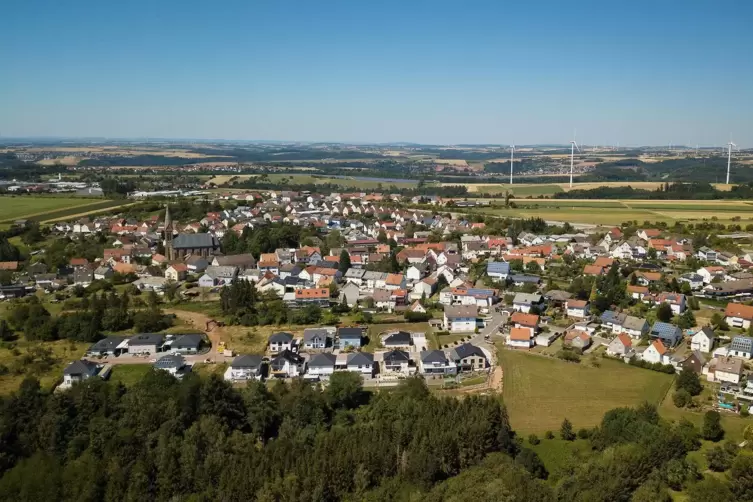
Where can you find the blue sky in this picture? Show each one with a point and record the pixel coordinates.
(432, 72)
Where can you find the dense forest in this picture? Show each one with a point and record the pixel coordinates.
(202, 439)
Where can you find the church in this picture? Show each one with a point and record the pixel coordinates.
(182, 245)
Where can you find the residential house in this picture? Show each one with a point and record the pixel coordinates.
(577, 339)
(523, 320)
(397, 339)
(498, 270)
(738, 315)
(109, 346)
(359, 362)
(669, 334)
(287, 364)
(520, 338)
(417, 308)
(707, 254)
(196, 264)
(523, 279)
(460, 318)
(656, 353)
(741, 346)
(709, 274)
(240, 261)
(103, 272)
(416, 272)
(620, 346)
(694, 361)
(245, 367)
(318, 338)
(694, 280)
(322, 365)
(726, 369)
(424, 288)
(185, 344)
(78, 371)
(83, 276)
(436, 362)
(280, 341)
(146, 343)
(644, 278)
(172, 363)
(315, 296)
(648, 233)
(397, 361)
(526, 302)
(349, 337)
(176, 272)
(675, 300)
(578, 309)
(218, 276)
(468, 357)
(637, 292)
(703, 340)
(350, 293)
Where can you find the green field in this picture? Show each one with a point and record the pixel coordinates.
(24, 207)
(14, 356)
(343, 182)
(540, 392)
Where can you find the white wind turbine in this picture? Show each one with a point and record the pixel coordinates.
(512, 159)
(729, 157)
(573, 146)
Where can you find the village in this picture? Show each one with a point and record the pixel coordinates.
(479, 290)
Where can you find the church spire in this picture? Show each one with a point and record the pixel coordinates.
(169, 251)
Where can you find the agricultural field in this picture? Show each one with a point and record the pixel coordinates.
(614, 211)
(520, 190)
(346, 183)
(540, 392)
(24, 207)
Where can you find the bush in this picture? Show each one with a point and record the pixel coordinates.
(744, 410)
(533, 439)
(584, 433)
(566, 430)
(689, 381)
(568, 355)
(416, 316)
(720, 458)
(549, 435)
(681, 398)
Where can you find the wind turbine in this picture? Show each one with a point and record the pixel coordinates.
(573, 146)
(512, 158)
(729, 157)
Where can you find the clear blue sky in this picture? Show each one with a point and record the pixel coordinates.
(376, 71)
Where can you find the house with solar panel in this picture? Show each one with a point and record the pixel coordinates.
(498, 270)
(174, 364)
(669, 334)
(741, 346)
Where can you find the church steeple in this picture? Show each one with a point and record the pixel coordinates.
(169, 252)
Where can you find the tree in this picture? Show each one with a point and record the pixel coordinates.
(566, 430)
(533, 439)
(345, 390)
(712, 427)
(720, 458)
(681, 398)
(689, 380)
(531, 462)
(741, 478)
(653, 490)
(6, 333)
(344, 264)
(686, 319)
(710, 488)
(664, 312)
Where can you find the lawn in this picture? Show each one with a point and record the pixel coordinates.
(439, 341)
(129, 374)
(540, 392)
(23, 207)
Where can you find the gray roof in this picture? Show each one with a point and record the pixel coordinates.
(190, 241)
(323, 360)
(187, 341)
(226, 272)
(371, 275)
(666, 332)
(395, 356)
(466, 350)
(398, 338)
(80, 367)
(170, 361)
(632, 322)
(454, 311)
(236, 260)
(109, 343)
(433, 356)
(147, 339)
(355, 273)
(361, 358)
(558, 295)
(350, 333)
(286, 355)
(527, 298)
(281, 337)
(310, 333)
(246, 361)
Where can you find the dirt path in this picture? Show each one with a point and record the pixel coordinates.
(199, 321)
(496, 380)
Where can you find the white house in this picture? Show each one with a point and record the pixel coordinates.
(726, 369)
(656, 353)
(279, 342)
(321, 365)
(318, 338)
(578, 309)
(287, 364)
(360, 362)
(703, 340)
(620, 346)
(738, 315)
(520, 338)
(246, 367)
(78, 371)
(460, 318)
(436, 362)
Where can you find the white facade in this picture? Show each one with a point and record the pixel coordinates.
(701, 341)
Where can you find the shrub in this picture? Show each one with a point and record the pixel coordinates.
(533, 439)
(566, 430)
(549, 435)
(584, 433)
(681, 398)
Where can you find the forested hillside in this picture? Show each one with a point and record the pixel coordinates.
(200, 439)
